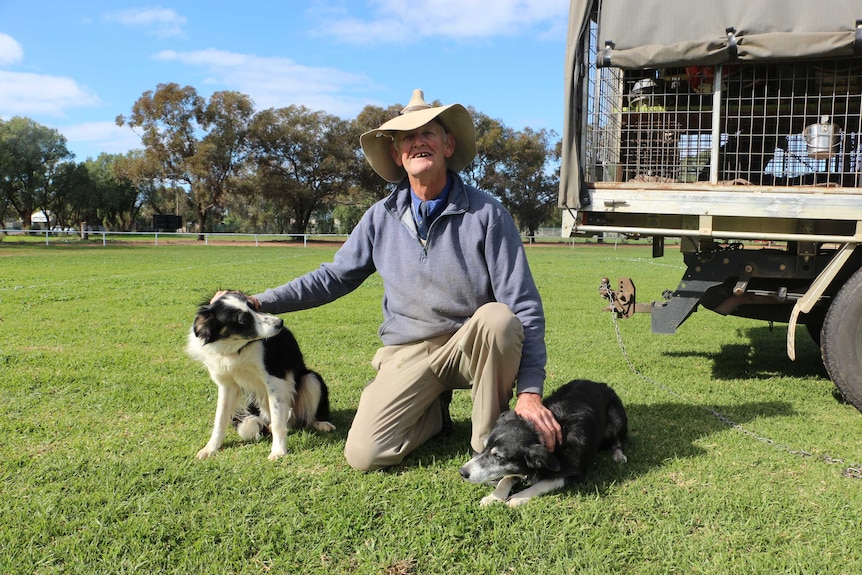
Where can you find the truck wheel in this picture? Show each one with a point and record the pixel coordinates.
(841, 340)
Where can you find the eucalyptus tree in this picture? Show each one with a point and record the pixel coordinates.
(73, 198)
(151, 194)
(31, 156)
(527, 178)
(303, 159)
(493, 151)
(194, 143)
(119, 192)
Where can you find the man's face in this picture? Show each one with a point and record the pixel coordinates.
(423, 151)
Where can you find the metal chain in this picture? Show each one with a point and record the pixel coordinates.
(853, 471)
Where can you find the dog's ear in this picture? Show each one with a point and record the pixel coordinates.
(203, 325)
(538, 457)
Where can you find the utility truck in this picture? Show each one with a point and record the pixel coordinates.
(735, 126)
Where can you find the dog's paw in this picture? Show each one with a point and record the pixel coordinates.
(490, 500)
(619, 456)
(206, 452)
(516, 501)
(276, 454)
(323, 426)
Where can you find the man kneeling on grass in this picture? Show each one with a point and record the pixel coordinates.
(460, 307)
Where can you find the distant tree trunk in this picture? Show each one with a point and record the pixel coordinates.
(202, 220)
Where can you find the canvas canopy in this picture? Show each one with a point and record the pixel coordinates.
(670, 33)
(663, 33)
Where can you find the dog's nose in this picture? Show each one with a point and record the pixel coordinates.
(465, 473)
(280, 323)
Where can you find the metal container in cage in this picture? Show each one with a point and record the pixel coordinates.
(822, 139)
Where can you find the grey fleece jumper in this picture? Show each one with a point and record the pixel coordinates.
(473, 255)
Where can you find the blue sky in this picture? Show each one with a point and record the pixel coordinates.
(77, 65)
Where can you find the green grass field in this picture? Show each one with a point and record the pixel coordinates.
(103, 413)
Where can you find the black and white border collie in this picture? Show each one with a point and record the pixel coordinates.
(252, 352)
(592, 418)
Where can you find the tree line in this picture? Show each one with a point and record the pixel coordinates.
(224, 167)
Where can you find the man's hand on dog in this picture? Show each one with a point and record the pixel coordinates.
(252, 300)
(530, 407)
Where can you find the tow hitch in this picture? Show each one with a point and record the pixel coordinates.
(622, 301)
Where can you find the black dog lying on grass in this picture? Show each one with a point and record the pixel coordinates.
(592, 418)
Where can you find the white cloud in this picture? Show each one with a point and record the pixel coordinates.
(277, 82)
(28, 94)
(397, 21)
(24, 94)
(102, 136)
(161, 22)
(11, 51)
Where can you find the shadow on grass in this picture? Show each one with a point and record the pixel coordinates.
(302, 438)
(657, 433)
(764, 357)
(665, 431)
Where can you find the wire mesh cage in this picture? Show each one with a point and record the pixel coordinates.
(776, 124)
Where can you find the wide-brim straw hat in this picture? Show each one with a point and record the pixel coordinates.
(455, 119)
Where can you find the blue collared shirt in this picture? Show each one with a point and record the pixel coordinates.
(435, 206)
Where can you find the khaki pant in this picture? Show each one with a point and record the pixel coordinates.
(400, 410)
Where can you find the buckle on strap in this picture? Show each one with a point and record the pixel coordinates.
(732, 49)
